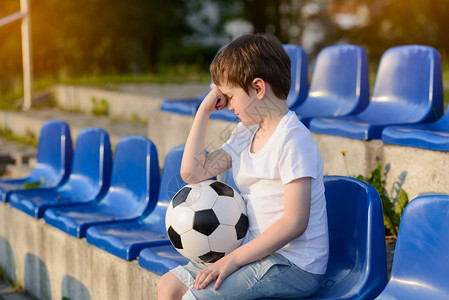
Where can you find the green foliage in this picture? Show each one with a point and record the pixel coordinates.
(4, 277)
(29, 138)
(31, 185)
(34, 185)
(392, 212)
(17, 287)
(137, 119)
(191, 55)
(100, 107)
(92, 36)
(400, 22)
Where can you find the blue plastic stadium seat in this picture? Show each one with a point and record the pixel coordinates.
(88, 180)
(162, 259)
(421, 259)
(339, 86)
(127, 239)
(298, 88)
(432, 136)
(357, 267)
(408, 90)
(182, 106)
(299, 78)
(54, 159)
(133, 190)
(230, 180)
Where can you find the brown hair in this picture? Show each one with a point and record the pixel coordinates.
(253, 56)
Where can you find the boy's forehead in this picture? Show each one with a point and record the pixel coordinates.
(226, 87)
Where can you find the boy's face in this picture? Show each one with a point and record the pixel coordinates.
(242, 104)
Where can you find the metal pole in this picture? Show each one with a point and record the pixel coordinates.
(26, 55)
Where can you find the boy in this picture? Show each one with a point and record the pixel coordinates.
(279, 172)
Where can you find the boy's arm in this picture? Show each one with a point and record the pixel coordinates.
(297, 197)
(196, 166)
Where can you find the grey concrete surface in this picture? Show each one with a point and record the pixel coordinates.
(51, 264)
(30, 122)
(127, 101)
(416, 171)
(348, 157)
(62, 266)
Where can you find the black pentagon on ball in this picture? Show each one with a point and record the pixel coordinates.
(181, 196)
(211, 256)
(242, 226)
(222, 189)
(175, 238)
(205, 221)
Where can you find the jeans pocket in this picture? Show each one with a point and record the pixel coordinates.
(272, 266)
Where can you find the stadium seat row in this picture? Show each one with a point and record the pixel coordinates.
(119, 206)
(404, 109)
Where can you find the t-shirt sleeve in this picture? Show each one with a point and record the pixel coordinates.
(299, 157)
(227, 146)
(239, 139)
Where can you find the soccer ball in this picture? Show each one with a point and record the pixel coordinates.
(207, 220)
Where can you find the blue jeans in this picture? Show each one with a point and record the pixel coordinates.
(271, 277)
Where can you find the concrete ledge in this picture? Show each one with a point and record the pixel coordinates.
(348, 157)
(51, 264)
(128, 102)
(20, 124)
(82, 99)
(417, 171)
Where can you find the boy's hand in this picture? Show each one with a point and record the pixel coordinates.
(218, 271)
(215, 100)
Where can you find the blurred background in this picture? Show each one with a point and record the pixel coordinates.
(113, 41)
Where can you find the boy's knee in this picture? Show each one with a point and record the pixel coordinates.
(163, 284)
(170, 287)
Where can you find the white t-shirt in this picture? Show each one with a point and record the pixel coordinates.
(290, 153)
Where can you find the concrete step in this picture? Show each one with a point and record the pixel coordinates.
(29, 124)
(127, 111)
(126, 102)
(16, 159)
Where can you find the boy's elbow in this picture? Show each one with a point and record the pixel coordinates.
(186, 177)
(189, 173)
(297, 229)
(189, 177)
(300, 231)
